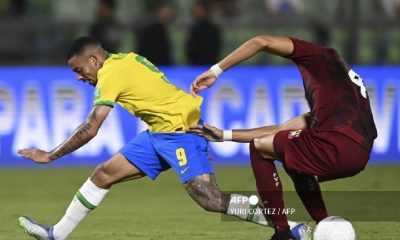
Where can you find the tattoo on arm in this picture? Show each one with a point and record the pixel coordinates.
(81, 135)
(208, 195)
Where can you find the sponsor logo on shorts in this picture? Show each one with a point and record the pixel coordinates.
(294, 134)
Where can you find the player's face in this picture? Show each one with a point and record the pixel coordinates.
(85, 67)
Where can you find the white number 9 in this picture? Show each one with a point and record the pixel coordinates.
(357, 80)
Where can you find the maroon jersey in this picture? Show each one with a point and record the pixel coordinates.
(336, 95)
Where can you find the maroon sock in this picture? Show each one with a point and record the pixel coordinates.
(307, 187)
(269, 187)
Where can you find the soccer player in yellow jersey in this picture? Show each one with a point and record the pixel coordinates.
(138, 86)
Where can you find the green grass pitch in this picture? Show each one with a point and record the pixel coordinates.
(145, 209)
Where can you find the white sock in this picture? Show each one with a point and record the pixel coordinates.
(86, 199)
(240, 206)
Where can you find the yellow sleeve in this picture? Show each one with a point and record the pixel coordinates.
(106, 93)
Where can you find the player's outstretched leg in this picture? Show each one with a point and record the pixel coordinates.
(85, 200)
(89, 196)
(36, 230)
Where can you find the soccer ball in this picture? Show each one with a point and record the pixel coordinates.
(334, 228)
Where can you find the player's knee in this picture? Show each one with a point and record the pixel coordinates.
(101, 176)
(262, 148)
(254, 147)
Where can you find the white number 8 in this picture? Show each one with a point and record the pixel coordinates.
(357, 80)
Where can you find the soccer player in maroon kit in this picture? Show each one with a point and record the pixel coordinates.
(334, 140)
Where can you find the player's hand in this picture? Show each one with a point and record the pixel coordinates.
(36, 155)
(204, 80)
(209, 132)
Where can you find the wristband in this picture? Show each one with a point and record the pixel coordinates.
(227, 135)
(216, 69)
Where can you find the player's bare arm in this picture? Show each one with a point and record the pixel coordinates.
(215, 134)
(81, 135)
(281, 46)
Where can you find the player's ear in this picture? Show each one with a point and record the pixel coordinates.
(94, 59)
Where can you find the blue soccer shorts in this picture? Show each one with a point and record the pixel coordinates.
(153, 153)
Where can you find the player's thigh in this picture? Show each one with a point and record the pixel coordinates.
(140, 152)
(265, 146)
(116, 169)
(187, 154)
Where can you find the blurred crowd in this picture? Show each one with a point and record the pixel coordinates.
(195, 32)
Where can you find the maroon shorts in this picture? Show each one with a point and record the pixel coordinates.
(328, 155)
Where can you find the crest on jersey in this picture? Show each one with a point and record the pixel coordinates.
(294, 134)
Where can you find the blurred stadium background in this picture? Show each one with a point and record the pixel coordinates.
(366, 32)
(41, 103)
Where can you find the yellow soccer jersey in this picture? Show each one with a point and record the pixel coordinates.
(141, 88)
